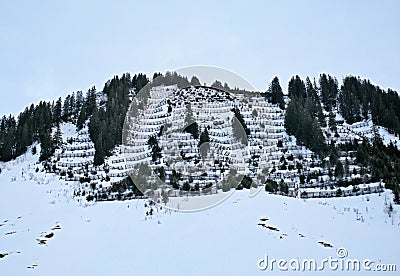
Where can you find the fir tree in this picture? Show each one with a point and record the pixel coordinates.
(204, 137)
(81, 118)
(396, 198)
(155, 148)
(66, 112)
(57, 112)
(297, 88)
(276, 93)
(7, 149)
(194, 81)
(217, 84)
(204, 143)
(46, 144)
(99, 154)
(190, 125)
(57, 138)
(339, 171)
(300, 123)
(186, 186)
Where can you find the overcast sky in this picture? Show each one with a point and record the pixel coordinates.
(51, 48)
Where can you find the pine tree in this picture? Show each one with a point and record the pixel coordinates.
(332, 121)
(186, 186)
(339, 171)
(297, 88)
(57, 112)
(321, 117)
(300, 123)
(139, 81)
(349, 103)
(375, 134)
(311, 91)
(81, 118)
(226, 87)
(194, 81)
(204, 143)
(276, 93)
(246, 182)
(90, 101)
(57, 138)
(156, 75)
(193, 129)
(46, 144)
(95, 126)
(72, 105)
(396, 198)
(217, 84)
(67, 108)
(79, 100)
(240, 119)
(190, 125)
(204, 137)
(8, 146)
(161, 173)
(329, 91)
(99, 154)
(155, 148)
(23, 135)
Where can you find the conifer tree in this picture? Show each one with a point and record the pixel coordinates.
(276, 93)
(57, 112)
(194, 81)
(339, 170)
(81, 118)
(57, 138)
(8, 139)
(297, 88)
(46, 144)
(99, 154)
(204, 143)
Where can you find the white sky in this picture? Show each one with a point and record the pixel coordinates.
(51, 48)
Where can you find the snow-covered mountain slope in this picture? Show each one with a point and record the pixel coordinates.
(365, 128)
(270, 154)
(44, 231)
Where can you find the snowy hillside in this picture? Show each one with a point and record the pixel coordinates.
(44, 231)
(283, 182)
(270, 154)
